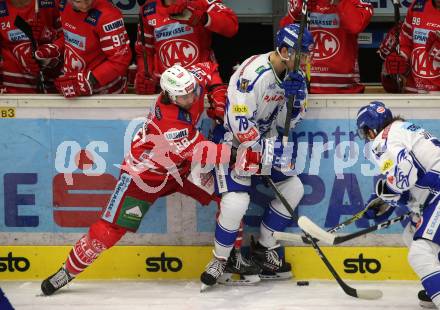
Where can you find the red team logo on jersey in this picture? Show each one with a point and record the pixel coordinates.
(421, 66)
(326, 44)
(178, 51)
(72, 62)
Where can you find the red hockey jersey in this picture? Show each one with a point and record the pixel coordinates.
(15, 78)
(165, 144)
(97, 41)
(335, 30)
(169, 42)
(422, 17)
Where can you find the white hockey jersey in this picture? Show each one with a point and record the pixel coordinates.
(409, 157)
(256, 104)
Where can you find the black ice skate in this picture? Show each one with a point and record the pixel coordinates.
(272, 266)
(56, 281)
(425, 301)
(212, 272)
(239, 270)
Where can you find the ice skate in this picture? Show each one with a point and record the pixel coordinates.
(239, 271)
(56, 281)
(212, 272)
(425, 301)
(272, 266)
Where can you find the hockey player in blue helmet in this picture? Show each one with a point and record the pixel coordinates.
(408, 157)
(258, 94)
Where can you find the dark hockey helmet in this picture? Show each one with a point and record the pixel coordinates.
(288, 37)
(372, 116)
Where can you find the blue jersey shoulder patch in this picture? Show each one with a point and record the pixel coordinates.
(149, 8)
(419, 5)
(3, 9)
(93, 17)
(184, 116)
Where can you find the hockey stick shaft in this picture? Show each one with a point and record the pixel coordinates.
(398, 77)
(144, 49)
(364, 294)
(383, 225)
(291, 100)
(21, 24)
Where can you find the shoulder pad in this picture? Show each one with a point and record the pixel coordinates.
(46, 4)
(93, 17)
(419, 5)
(149, 8)
(3, 9)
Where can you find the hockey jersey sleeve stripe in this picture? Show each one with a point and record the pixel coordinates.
(27, 76)
(337, 74)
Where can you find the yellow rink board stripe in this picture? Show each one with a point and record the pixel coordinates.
(187, 262)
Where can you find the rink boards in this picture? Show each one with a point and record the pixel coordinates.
(187, 262)
(50, 194)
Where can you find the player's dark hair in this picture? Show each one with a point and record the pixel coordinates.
(165, 98)
(390, 121)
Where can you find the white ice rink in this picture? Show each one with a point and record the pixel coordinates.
(123, 295)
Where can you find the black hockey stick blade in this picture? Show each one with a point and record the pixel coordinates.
(362, 294)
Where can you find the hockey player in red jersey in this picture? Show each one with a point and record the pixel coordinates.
(160, 163)
(20, 69)
(96, 49)
(433, 50)
(178, 32)
(335, 27)
(421, 71)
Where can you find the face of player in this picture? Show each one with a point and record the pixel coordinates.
(186, 101)
(82, 5)
(305, 59)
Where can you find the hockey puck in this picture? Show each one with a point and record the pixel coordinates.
(302, 283)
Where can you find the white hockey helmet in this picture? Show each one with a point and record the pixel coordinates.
(177, 81)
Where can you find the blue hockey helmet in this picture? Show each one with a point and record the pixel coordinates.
(288, 37)
(372, 116)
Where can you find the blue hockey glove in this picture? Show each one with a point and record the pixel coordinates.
(378, 210)
(295, 85)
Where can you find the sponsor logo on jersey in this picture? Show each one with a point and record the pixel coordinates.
(75, 40)
(149, 9)
(121, 187)
(158, 113)
(420, 35)
(387, 165)
(319, 20)
(113, 25)
(243, 85)
(62, 5)
(240, 109)
(135, 212)
(176, 135)
(46, 3)
(172, 31)
(419, 6)
(250, 135)
(421, 66)
(93, 16)
(178, 51)
(326, 44)
(260, 69)
(269, 98)
(3, 9)
(432, 226)
(16, 35)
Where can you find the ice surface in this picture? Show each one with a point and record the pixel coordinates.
(132, 295)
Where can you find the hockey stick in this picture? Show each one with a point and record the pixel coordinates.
(295, 238)
(144, 50)
(396, 5)
(21, 24)
(362, 294)
(296, 65)
(310, 227)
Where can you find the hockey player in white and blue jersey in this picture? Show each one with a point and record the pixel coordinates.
(255, 112)
(409, 158)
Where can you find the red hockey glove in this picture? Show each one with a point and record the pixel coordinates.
(41, 32)
(217, 101)
(396, 64)
(75, 84)
(23, 53)
(191, 12)
(389, 43)
(433, 46)
(143, 85)
(48, 55)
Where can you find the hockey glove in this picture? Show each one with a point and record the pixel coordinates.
(433, 46)
(378, 210)
(41, 32)
(217, 101)
(396, 64)
(48, 55)
(143, 85)
(191, 12)
(75, 84)
(294, 85)
(23, 53)
(385, 193)
(389, 43)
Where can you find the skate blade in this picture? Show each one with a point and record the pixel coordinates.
(276, 276)
(232, 279)
(204, 287)
(427, 304)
